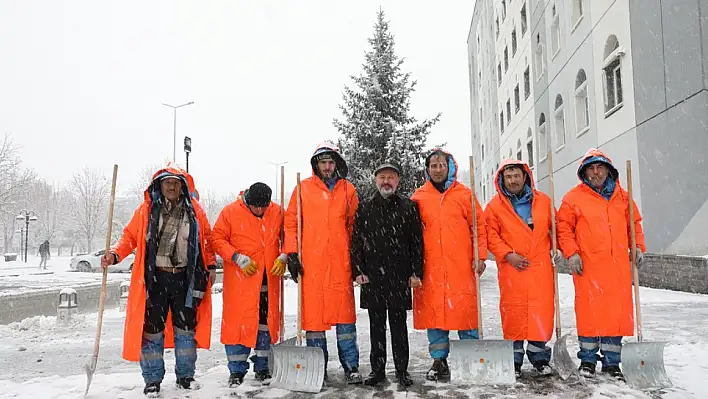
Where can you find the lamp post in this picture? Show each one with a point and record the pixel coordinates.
(174, 128)
(276, 172)
(27, 216)
(187, 149)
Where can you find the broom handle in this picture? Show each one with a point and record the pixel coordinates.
(282, 238)
(633, 254)
(475, 250)
(551, 191)
(299, 254)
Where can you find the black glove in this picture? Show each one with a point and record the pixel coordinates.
(294, 266)
(196, 302)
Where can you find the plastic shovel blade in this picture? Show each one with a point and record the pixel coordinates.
(482, 362)
(643, 365)
(562, 362)
(297, 368)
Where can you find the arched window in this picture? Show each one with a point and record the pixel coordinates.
(518, 150)
(542, 138)
(529, 146)
(582, 103)
(612, 71)
(559, 122)
(555, 33)
(540, 62)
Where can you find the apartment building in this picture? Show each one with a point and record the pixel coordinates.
(629, 77)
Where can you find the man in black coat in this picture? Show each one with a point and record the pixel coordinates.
(387, 260)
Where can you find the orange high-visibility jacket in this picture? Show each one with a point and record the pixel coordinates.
(134, 236)
(526, 303)
(328, 219)
(448, 298)
(599, 231)
(237, 230)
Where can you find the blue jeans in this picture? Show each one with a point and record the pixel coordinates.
(237, 355)
(536, 351)
(439, 341)
(610, 347)
(152, 362)
(347, 348)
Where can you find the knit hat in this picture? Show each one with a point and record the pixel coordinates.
(258, 195)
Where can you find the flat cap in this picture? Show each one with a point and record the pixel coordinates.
(387, 166)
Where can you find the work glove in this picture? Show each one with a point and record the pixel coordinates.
(248, 266)
(279, 265)
(575, 264)
(480, 267)
(518, 261)
(294, 266)
(414, 282)
(361, 279)
(639, 256)
(557, 257)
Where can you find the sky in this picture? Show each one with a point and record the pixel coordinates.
(82, 82)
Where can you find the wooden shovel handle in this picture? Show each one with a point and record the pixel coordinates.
(633, 254)
(299, 255)
(282, 238)
(554, 246)
(475, 250)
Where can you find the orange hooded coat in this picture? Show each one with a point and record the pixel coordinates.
(328, 219)
(135, 236)
(526, 303)
(598, 230)
(448, 298)
(237, 230)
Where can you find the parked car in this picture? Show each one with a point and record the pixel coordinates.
(92, 262)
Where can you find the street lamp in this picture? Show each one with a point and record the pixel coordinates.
(187, 149)
(174, 128)
(27, 216)
(276, 172)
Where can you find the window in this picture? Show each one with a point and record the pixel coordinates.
(555, 33)
(582, 105)
(496, 22)
(503, 10)
(482, 152)
(560, 123)
(518, 150)
(529, 146)
(540, 63)
(524, 23)
(613, 75)
(481, 119)
(480, 78)
(577, 12)
(501, 121)
(513, 42)
(527, 83)
(542, 137)
(510, 154)
(508, 111)
(517, 99)
(499, 73)
(506, 59)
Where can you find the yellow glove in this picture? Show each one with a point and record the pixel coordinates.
(248, 266)
(251, 269)
(279, 265)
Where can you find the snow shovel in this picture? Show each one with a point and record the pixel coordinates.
(642, 362)
(481, 362)
(562, 361)
(90, 365)
(296, 367)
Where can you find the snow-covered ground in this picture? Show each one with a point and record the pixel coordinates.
(19, 277)
(39, 359)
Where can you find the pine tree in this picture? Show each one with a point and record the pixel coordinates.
(376, 126)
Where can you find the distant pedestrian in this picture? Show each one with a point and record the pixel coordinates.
(387, 259)
(43, 254)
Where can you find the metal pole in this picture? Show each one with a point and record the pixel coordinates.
(174, 139)
(26, 235)
(187, 155)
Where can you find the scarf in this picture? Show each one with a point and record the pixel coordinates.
(172, 217)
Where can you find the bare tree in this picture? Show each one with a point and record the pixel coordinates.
(213, 205)
(144, 178)
(89, 190)
(13, 186)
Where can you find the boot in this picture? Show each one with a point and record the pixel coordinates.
(235, 380)
(587, 369)
(517, 370)
(374, 379)
(614, 372)
(264, 377)
(439, 371)
(353, 377)
(404, 379)
(152, 389)
(543, 368)
(185, 383)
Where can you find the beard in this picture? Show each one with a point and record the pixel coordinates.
(386, 191)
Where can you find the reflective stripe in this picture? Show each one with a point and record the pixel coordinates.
(610, 347)
(264, 288)
(186, 352)
(184, 332)
(152, 337)
(346, 337)
(263, 327)
(237, 358)
(442, 346)
(521, 350)
(314, 334)
(534, 348)
(262, 353)
(589, 345)
(146, 357)
(198, 294)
